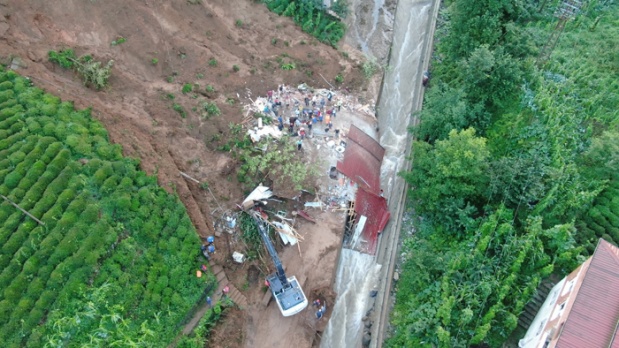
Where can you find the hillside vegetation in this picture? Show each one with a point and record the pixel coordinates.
(114, 262)
(514, 171)
(313, 18)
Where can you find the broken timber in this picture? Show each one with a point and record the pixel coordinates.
(23, 211)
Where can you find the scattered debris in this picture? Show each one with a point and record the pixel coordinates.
(238, 257)
(314, 205)
(258, 133)
(286, 233)
(230, 222)
(306, 216)
(258, 194)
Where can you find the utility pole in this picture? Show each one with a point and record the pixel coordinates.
(565, 11)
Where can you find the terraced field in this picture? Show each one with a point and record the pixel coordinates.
(114, 262)
(602, 220)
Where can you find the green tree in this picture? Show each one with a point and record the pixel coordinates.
(445, 109)
(564, 135)
(518, 180)
(461, 294)
(473, 23)
(490, 78)
(340, 7)
(449, 180)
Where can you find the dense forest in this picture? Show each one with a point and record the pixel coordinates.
(112, 261)
(515, 166)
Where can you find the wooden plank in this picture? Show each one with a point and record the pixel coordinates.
(266, 299)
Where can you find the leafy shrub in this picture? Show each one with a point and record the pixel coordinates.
(369, 68)
(340, 8)
(12, 180)
(65, 58)
(188, 87)
(6, 85)
(288, 66)
(94, 73)
(211, 109)
(178, 108)
(118, 41)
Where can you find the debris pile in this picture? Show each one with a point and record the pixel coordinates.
(258, 199)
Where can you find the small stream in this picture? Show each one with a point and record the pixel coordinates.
(363, 40)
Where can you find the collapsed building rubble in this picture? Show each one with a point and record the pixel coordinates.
(351, 151)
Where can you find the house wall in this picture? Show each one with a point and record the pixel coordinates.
(546, 327)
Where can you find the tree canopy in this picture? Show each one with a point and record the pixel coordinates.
(450, 179)
(514, 172)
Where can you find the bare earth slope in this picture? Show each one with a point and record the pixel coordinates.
(136, 108)
(168, 44)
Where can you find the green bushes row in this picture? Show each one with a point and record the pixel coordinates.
(602, 220)
(7, 124)
(12, 139)
(105, 215)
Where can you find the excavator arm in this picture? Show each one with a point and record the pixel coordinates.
(286, 291)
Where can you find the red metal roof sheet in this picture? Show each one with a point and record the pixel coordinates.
(375, 208)
(367, 142)
(594, 317)
(362, 160)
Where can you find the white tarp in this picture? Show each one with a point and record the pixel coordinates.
(258, 133)
(258, 194)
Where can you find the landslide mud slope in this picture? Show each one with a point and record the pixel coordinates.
(182, 39)
(169, 44)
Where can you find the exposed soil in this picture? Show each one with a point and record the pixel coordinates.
(169, 44)
(230, 333)
(136, 107)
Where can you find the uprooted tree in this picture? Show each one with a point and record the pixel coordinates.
(93, 72)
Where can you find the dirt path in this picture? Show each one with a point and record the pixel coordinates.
(222, 281)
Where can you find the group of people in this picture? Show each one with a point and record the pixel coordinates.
(315, 111)
(321, 309)
(208, 247)
(224, 294)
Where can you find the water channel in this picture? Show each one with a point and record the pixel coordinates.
(358, 274)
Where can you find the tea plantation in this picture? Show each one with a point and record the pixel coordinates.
(113, 264)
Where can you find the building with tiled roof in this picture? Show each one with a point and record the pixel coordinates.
(582, 310)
